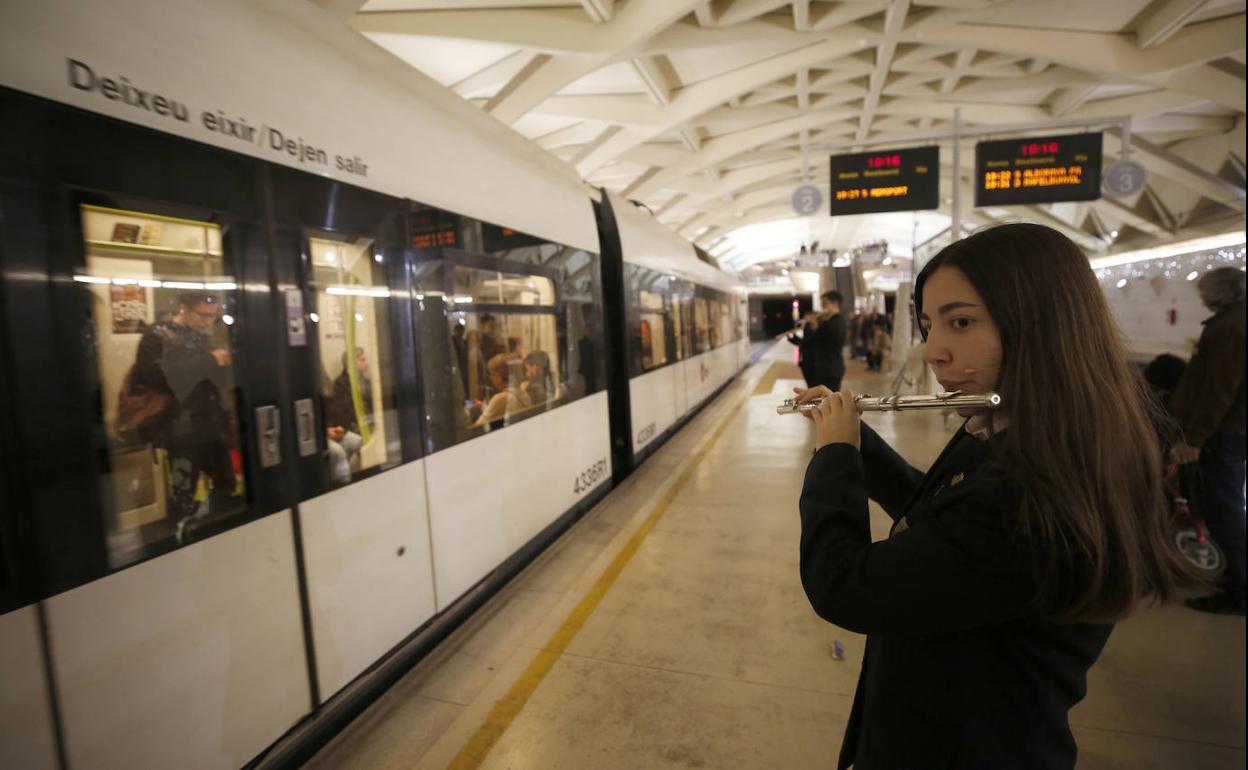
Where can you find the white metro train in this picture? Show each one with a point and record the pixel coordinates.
(305, 356)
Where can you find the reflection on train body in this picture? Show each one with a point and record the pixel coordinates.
(163, 349)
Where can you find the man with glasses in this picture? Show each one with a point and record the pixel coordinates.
(178, 360)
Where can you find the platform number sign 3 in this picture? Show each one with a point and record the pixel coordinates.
(807, 199)
(1125, 178)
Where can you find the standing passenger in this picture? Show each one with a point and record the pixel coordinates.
(1209, 405)
(1035, 529)
(461, 353)
(476, 365)
(587, 364)
(177, 358)
(490, 346)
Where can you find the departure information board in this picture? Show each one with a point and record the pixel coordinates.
(1055, 168)
(896, 180)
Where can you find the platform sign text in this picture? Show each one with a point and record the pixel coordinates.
(892, 180)
(1046, 170)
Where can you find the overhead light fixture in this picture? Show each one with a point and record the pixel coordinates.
(1121, 282)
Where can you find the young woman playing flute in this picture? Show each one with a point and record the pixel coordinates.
(1039, 525)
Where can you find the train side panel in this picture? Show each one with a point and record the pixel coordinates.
(490, 496)
(298, 88)
(205, 644)
(656, 404)
(369, 570)
(27, 737)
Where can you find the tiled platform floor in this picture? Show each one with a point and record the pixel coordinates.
(704, 652)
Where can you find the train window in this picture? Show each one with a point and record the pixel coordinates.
(715, 324)
(508, 361)
(357, 374)
(162, 309)
(509, 327)
(653, 331)
(701, 326)
(678, 326)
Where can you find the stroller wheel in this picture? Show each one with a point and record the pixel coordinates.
(1207, 555)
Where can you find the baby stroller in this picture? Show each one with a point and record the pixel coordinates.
(1191, 536)
(1182, 482)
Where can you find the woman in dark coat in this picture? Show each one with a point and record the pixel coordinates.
(1036, 528)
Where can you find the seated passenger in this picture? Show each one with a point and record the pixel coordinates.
(539, 383)
(1038, 527)
(519, 395)
(343, 428)
(498, 368)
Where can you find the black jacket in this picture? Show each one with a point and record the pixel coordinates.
(1210, 397)
(961, 669)
(827, 347)
(805, 354)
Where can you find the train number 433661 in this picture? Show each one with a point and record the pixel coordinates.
(586, 479)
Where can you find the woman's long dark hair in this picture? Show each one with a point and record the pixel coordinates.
(1082, 437)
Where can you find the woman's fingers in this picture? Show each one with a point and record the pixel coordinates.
(847, 399)
(809, 394)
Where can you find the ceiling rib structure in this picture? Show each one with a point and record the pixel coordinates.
(711, 112)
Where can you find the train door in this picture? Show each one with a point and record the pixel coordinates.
(361, 516)
(614, 290)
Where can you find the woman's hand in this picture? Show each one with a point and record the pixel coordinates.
(1183, 453)
(837, 420)
(810, 394)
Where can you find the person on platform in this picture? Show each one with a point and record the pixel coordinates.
(1209, 406)
(805, 350)
(828, 342)
(1036, 528)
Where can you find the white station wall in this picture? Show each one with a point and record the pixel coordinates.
(1143, 308)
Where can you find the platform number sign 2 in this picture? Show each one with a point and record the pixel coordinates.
(807, 199)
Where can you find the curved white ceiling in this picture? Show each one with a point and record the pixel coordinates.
(704, 109)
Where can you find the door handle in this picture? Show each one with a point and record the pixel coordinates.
(305, 427)
(269, 435)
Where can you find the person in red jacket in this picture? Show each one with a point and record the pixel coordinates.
(1038, 526)
(1209, 406)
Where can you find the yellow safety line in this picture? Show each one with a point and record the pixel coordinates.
(768, 381)
(509, 706)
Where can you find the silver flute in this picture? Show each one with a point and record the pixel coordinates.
(865, 403)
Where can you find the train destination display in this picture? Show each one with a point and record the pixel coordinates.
(1045, 170)
(895, 180)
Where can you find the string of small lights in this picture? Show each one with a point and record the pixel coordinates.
(1184, 267)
